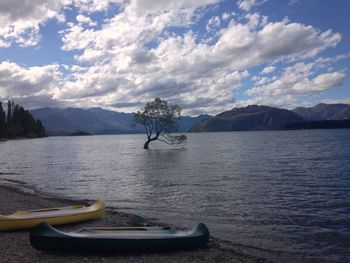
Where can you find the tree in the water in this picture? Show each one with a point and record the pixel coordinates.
(159, 120)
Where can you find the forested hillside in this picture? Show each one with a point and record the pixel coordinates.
(17, 122)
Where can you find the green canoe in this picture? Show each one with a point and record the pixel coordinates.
(118, 239)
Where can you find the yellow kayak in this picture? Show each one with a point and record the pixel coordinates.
(54, 216)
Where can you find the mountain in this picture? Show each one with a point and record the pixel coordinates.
(252, 117)
(96, 121)
(186, 122)
(328, 124)
(324, 111)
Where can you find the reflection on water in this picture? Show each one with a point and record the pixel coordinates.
(279, 190)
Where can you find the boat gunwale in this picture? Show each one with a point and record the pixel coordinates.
(45, 237)
(88, 210)
(78, 238)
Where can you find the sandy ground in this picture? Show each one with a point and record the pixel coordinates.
(15, 247)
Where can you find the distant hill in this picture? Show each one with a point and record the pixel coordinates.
(324, 111)
(96, 121)
(329, 124)
(250, 118)
(80, 133)
(186, 122)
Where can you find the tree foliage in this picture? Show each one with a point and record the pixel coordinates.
(159, 119)
(3, 130)
(18, 122)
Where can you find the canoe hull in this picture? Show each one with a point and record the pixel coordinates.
(42, 240)
(10, 223)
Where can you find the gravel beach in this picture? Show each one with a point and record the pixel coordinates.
(15, 247)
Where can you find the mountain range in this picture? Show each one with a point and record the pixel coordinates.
(97, 121)
(324, 111)
(252, 117)
(100, 121)
(255, 117)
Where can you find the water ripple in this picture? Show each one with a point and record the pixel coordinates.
(283, 191)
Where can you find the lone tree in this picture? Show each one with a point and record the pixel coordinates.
(159, 120)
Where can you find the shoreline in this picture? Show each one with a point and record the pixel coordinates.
(15, 247)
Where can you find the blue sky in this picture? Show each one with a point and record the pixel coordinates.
(207, 56)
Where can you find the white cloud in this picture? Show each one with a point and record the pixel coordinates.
(268, 70)
(20, 20)
(335, 101)
(213, 23)
(139, 22)
(298, 79)
(253, 20)
(91, 6)
(323, 82)
(263, 80)
(85, 20)
(179, 68)
(246, 47)
(301, 83)
(17, 81)
(246, 5)
(226, 16)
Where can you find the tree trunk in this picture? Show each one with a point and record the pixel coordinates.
(145, 146)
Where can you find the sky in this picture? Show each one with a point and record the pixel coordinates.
(207, 56)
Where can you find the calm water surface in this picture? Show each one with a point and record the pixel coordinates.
(280, 190)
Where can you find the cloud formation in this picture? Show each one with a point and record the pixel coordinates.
(268, 70)
(149, 48)
(247, 5)
(33, 87)
(20, 20)
(296, 81)
(182, 67)
(18, 81)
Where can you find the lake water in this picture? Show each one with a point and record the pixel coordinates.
(277, 190)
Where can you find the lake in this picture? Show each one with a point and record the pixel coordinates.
(283, 191)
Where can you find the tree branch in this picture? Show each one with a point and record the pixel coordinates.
(170, 141)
